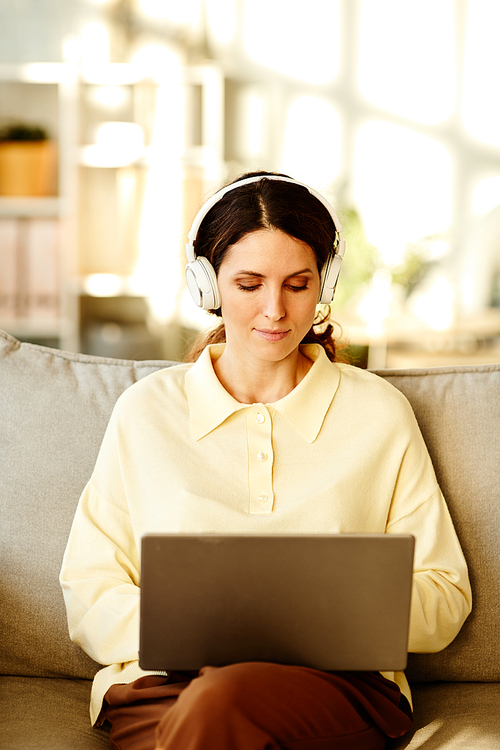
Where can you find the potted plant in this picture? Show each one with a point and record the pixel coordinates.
(27, 161)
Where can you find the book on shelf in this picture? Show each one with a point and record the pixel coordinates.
(29, 269)
(8, 269)
(42, 269)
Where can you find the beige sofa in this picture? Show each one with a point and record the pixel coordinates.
(54, 407)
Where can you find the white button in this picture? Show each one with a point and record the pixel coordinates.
(263, 498)
(262, 456)
(260, 418)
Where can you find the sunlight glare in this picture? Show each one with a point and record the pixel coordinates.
(95, 44)
(157, 62)
(271, 29)
(435, 306)
(117, 145)
(186, 12)
(486, 195)
(158, 271)
(102, 285)
(406, 60)
(253, 118)
(481, 106)
(222, 19)
(43, 72)
(375, 307)
(311, 151)
(402, 185)
(110, 97)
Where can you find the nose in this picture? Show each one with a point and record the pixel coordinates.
(274, 305)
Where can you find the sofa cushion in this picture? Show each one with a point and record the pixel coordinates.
(454, 716)
(458, 409)
(54, 407)
(52, 714)
(47, 714)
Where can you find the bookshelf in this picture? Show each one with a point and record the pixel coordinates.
(37, 247)
(105, 121)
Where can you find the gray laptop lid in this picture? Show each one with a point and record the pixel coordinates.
(333, 602)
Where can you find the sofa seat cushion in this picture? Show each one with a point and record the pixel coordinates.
(454, 716)
(52, 714)
(40, 713)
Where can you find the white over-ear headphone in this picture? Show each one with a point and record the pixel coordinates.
(200, 274)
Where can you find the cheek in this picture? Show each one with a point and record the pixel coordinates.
(307, 309)
(236, 307)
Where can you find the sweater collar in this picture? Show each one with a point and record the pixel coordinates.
(304, 408)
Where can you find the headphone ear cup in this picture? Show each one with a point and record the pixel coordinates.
(202, 283)
(329, 277)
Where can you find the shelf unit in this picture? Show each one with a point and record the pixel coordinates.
(42, 93)
(100, 203)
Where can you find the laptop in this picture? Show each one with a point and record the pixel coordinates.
(331, 602)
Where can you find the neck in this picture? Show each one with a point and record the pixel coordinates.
(262, 382)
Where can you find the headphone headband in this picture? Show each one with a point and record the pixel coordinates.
(247, 181)
(200, 275)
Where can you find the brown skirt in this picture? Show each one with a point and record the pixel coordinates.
(256, 706)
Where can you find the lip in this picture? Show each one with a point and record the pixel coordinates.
(270, 334)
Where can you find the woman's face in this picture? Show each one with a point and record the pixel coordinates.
(269, 286)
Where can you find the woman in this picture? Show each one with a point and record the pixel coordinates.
(264, 433)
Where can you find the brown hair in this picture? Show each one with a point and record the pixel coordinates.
(266, 204)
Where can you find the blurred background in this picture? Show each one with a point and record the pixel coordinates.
(119, 117)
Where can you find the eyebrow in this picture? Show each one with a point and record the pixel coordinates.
(261, 275)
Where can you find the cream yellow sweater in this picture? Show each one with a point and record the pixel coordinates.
(341, 453)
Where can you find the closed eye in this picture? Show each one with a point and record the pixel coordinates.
(248, 288)
(254, 287)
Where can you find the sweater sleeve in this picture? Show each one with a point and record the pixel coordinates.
(441, 593)
(100, 572)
